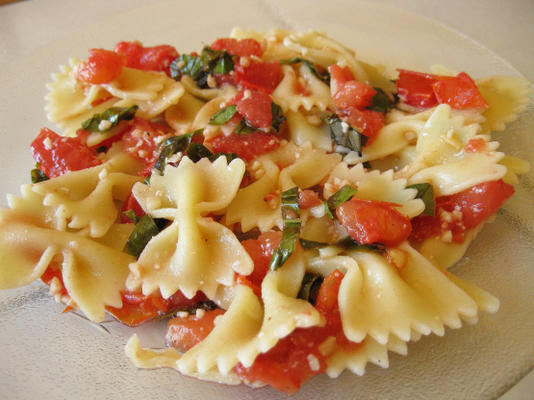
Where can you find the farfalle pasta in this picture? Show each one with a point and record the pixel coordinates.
(290, 209)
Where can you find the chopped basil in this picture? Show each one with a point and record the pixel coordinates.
(38, 176)
(278, 116)
(381, 101)
(201, 67)
(243, 127)
(311, 244)
(425, 192)
(342, 195)
(291, 216)
(223, 115)
(348, 243)
(144, 230)
(203, 305)
(172, 146)
(132, 216)
(197, 151)
(323, 76)
(309, 288)
(108, 119)
(345, 135)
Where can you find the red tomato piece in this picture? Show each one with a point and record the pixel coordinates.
(353, 94)
(58, 155)
(130, 204)
(157, 58)
(366, 122)
(184, 333)
(238, 47)
(460, 92)
(256, 109)
(417, 88)
(102, 66)
(49, 275)
(475, 145)
(246, 146)
(308, 199)
(339, 76)
(258, 75)
(462, 211)
(371, 221)
(261, 251)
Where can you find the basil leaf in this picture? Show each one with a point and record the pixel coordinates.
(132, 216)
(309, 288)
(311, 244)
(197, 151)
(141, 235)
(425, 192)
(278, 116)
(108, 119)
(345, 135)
(243, 127)
(225, 64)
(37, 175)
(200, 67)
(323, 76)
(291, 216)
(381, 101)
(223, 115)
(172, 146)
(344, 194)
(348, 243)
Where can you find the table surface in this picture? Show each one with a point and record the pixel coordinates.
(503, 27)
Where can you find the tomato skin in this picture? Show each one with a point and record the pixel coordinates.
(459, 92)
(157, 58)
(130, 204)
(339, 76)
(58, 155)
(353, 94)
(247, 146)
(102, 66)
(255, 108)
(416, 88)
(371, 221)
(366, 122)
(261, 250)
(184, 333)
(258, 75)
(308, 199)
(238, 47)
(474, 206)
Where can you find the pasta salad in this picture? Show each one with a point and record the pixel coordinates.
(290, 209)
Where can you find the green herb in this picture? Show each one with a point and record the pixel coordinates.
(191, 310)
(291, 216)
(311, 244)
(278, 116)
(172, 146)
(323, 76)
(196, 151)
(37, 175)
(141, 235)
(309, 288)
(342, 195)
(346, 243)
(201, 67)
(381, 101)
(131, 215)
(243, 127)
(223, 115)
(345, 135)
(425, 192)
(112, 115)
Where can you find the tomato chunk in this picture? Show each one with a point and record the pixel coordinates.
(185, 332)
(459, 92)
(475, 145)
(261, 250)
(102, 66)
(258, 75)
(255, 108)
(131, 204)
(366, 122)
(58, 155)
(238, 47)
(417, 88)
(246, 146)
(157, 58)
(371, 221)
(339, 76)
(308, 199)
(462, 211)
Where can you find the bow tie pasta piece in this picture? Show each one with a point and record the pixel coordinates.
(194, 252)
(93, 274)
(301, 131)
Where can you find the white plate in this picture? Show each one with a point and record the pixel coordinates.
(47, 355)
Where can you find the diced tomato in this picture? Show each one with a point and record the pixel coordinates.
(371, 221)
(353, 94)
(261, 251)
(58, 155)
(256, 109)
(339, 76)
(366, 122)
(157, 58)
(475, 145)
(102, 66)
(258, 75)
(246, 146)
(462, 211)
(185, 332)
(238, 47)
(141, 141)
(308, 199)
(130, 204)
(138, 308)
(416, 88)
(459, 92)
(223, 79)
(49, 275)
(243, 280)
